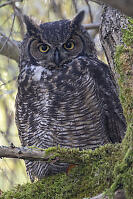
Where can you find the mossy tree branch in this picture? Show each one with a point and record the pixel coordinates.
(69, 155)
(91, 175)
(46, 155)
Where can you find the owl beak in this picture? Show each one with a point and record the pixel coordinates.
(57, 58)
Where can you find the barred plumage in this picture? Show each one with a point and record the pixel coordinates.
(67, 98)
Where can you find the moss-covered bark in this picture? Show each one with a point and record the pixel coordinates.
(92, 175)
(107, 168)
(124, 65)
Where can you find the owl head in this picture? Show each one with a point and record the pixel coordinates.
(53, 44)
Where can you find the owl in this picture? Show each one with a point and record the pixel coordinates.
(66, 96)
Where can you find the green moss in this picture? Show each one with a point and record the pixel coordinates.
(124, 61)
(124, 175)
(91, 177)
(128, 33)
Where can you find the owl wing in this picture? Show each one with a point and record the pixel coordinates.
(21, 119)
(114, 120)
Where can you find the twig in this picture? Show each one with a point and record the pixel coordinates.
(56, 7)
(14, 78)
(19, 15)
(97, 1)
(9, 2)
(23, 153)
(75, 5)
(6, 20)
(91, 26)
(89, 9)
(9, 34)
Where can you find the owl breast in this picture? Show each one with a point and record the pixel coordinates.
(60, 107)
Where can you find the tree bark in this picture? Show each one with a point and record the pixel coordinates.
(125, 6)
(9, 48)
(111, 33)
(23, 153)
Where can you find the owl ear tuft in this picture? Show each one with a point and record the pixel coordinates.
(77, 20)
(31, 26)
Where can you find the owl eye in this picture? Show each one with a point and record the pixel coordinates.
(43, 48)
(69, 45)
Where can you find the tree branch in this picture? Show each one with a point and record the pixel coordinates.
(69, 155)
(38, 154)
(89, 9)
(19, 14)
(125, 6)
(91, 26)
(9, 48)
(23, 153)
(9, 2)
(55, 154)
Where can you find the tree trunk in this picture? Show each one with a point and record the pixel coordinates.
(110, 32)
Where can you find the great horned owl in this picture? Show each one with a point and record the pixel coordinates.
(66, 96)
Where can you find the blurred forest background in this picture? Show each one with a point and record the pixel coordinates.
(12, 171)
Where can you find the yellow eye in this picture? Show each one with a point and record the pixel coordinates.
(69, 45)
(43, 48)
